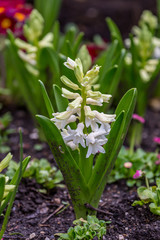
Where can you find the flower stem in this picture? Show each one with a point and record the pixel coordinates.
(146, 181)
(83, 95)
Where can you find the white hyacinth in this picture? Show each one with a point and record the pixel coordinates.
(92, 126)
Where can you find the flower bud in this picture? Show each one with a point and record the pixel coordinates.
(70, 63)
(78, 70)
(69, 83)
(76, 103)
(4, 163)
(70, 95)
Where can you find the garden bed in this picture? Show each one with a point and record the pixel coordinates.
(32, 208)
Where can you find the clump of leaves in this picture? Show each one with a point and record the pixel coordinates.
(85, 229)
(150, 195)
(42, 171)
(146, 161)
(4, 132)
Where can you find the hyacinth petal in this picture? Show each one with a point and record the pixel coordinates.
(89, 152)
(107, 118)
(76, 103)
(70, 63)
(92, 101)
(94, 94)
(69, 95)
(72, 145)
(64, 115)
(69, 83)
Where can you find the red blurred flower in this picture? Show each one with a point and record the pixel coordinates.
(11, 3)
(13, 13)
(94, 50)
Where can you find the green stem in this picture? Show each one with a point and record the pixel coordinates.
(146, 181)
(83, 94)
(132, 141)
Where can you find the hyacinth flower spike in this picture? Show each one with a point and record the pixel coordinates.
(78, 134)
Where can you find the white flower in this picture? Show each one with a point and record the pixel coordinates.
(144, 75)
(95, 141)
(94, 102)
(76, 103)
(46, 41)
(104, 118)
(70, 63)
(77, 135)
(28, 57)
(69, 94)
(60, 124)
(69, 83)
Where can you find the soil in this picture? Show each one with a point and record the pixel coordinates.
(32, 208)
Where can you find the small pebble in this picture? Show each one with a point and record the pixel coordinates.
(47, 238)
(121, 237)
(32, 235)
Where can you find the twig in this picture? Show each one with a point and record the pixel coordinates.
(87, 205)
(57, 210)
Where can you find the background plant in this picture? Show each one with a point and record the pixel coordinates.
(85, 229)
(127, 164)
(8, 191)
(149, 195)
(5, 120)
(40, 170)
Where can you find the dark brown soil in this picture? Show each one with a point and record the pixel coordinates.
(31, 208)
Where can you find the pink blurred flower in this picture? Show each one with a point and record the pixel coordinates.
(156, 140)
(139, 118)
(127, 165)
(94, 50)
(138, 174)
(157, 162)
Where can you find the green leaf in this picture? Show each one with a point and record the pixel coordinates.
(13, 182)
(115, 81)
(115, 33)
(103, 161)
(46, 99)
(72, 175)
(2, 187)
(117, 134)
(49, 10)
(25, 79)
(61, 102)
(127, 104)
(49, 57)
(154, 208)
(140, 203)
(56, 34)
(108, 60)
